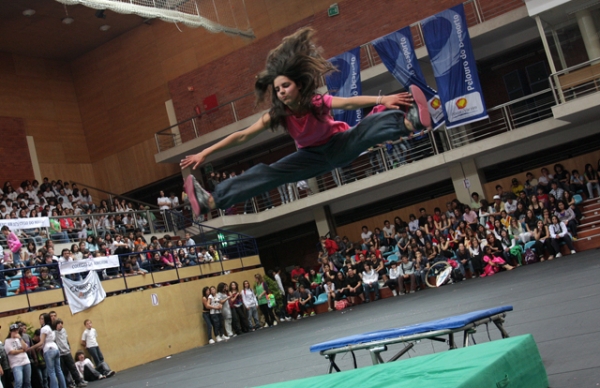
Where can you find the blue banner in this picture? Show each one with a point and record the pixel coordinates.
(346, 83)
(397, 53)
(449, 45)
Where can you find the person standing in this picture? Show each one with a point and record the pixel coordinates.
(89, 339)
(66, 359)
(20, 365)
(51, 353)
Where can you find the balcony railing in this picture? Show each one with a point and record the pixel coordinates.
(476, 11)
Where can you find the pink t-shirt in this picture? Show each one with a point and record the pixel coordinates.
(308, 131)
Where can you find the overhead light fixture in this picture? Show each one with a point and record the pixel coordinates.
(29, 12)
(68, 20)
(104, 27)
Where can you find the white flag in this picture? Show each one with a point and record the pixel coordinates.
(83, 294)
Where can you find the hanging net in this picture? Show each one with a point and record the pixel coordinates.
(227, 16)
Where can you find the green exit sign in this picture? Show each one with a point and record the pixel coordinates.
(333, 10)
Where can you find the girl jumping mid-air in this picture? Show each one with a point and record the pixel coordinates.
(291, 77)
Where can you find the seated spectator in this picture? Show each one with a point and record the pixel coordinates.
(86, 369)
(366, 237)
(306, 301)
(567, 216)
(463, 256)
(516, 187)
(510, 206)
(474, 205)
(501, 193)
(556, 191)
(591, 181)
(293, 303)
(370, 282)
(353, 286)
(577, 182)
(471, 218)
(407, 273)
(516, 229)
(316, 282)
(512, 250)
(494, 263)
(413, 223)
(391, 279)
(497, 207)
(29, 283)
(559, 234)
(561, 176)
(570, 202)
(332, 295)
(530, 184)
(46, 280)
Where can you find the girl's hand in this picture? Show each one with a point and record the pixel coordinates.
(395, 101)
(192, 160)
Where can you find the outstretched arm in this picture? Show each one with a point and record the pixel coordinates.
(393, 101)
(232, 140)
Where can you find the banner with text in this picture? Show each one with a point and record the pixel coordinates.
(94, 264)
(449, 45)
(26, 223)
(397, 53)
(85, 293)
(346, 83)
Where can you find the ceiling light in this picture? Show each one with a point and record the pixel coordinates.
(104, 27)
(68, 20)
(29, 12)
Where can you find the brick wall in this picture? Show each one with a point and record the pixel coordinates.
(14, 153)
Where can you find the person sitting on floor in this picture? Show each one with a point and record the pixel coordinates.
(391, 279)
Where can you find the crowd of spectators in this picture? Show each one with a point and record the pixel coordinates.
(527, 223)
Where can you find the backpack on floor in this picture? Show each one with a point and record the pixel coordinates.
(341, 304)
(530, 257)
(457, 275)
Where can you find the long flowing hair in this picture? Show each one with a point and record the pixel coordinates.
(299, 59)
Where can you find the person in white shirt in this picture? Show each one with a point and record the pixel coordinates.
(510, 206)
(366, 237)
(251, 304)
(407, 272)
(189, 242)
(89, 339)
(51, 353)
(86, 368)
(393, 274)
(16, 349)
(558, 234)
(370, 280)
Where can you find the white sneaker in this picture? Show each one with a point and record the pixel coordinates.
(211, 341)
(281, 319)
(395, 292)
(219, 339)
(299, 316)
(225, 337)
(266, 325)
(558, 255)
(573, 252)
(234, 335)
(288, 318)
(274, 323)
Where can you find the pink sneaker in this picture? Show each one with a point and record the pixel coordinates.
(418, 113)
(197, 196)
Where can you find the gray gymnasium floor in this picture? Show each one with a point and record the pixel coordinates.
(558, 302)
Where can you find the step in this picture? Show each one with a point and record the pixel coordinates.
(588, 232)
(588, 223)
(590, 200)
(591, 207)
(586, 244)
(590, 212)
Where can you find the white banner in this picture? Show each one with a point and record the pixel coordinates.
(96, 263)
(83, 294)
(26, 223)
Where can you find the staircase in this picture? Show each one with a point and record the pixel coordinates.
(588, 231)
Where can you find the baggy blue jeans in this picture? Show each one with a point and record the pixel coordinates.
(310, 162)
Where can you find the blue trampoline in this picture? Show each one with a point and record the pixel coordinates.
(376, 342)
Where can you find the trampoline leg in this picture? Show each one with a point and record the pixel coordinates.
(466, 339)
(375, 354)
(498, 323)
(402, 352)
(332, 364)
(451, 342)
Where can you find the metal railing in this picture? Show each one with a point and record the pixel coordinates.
(476, 11)
(233, 252)
(575, 81)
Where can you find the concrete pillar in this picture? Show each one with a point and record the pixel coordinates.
(324, 221)
(589, 33)
(466, 180)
